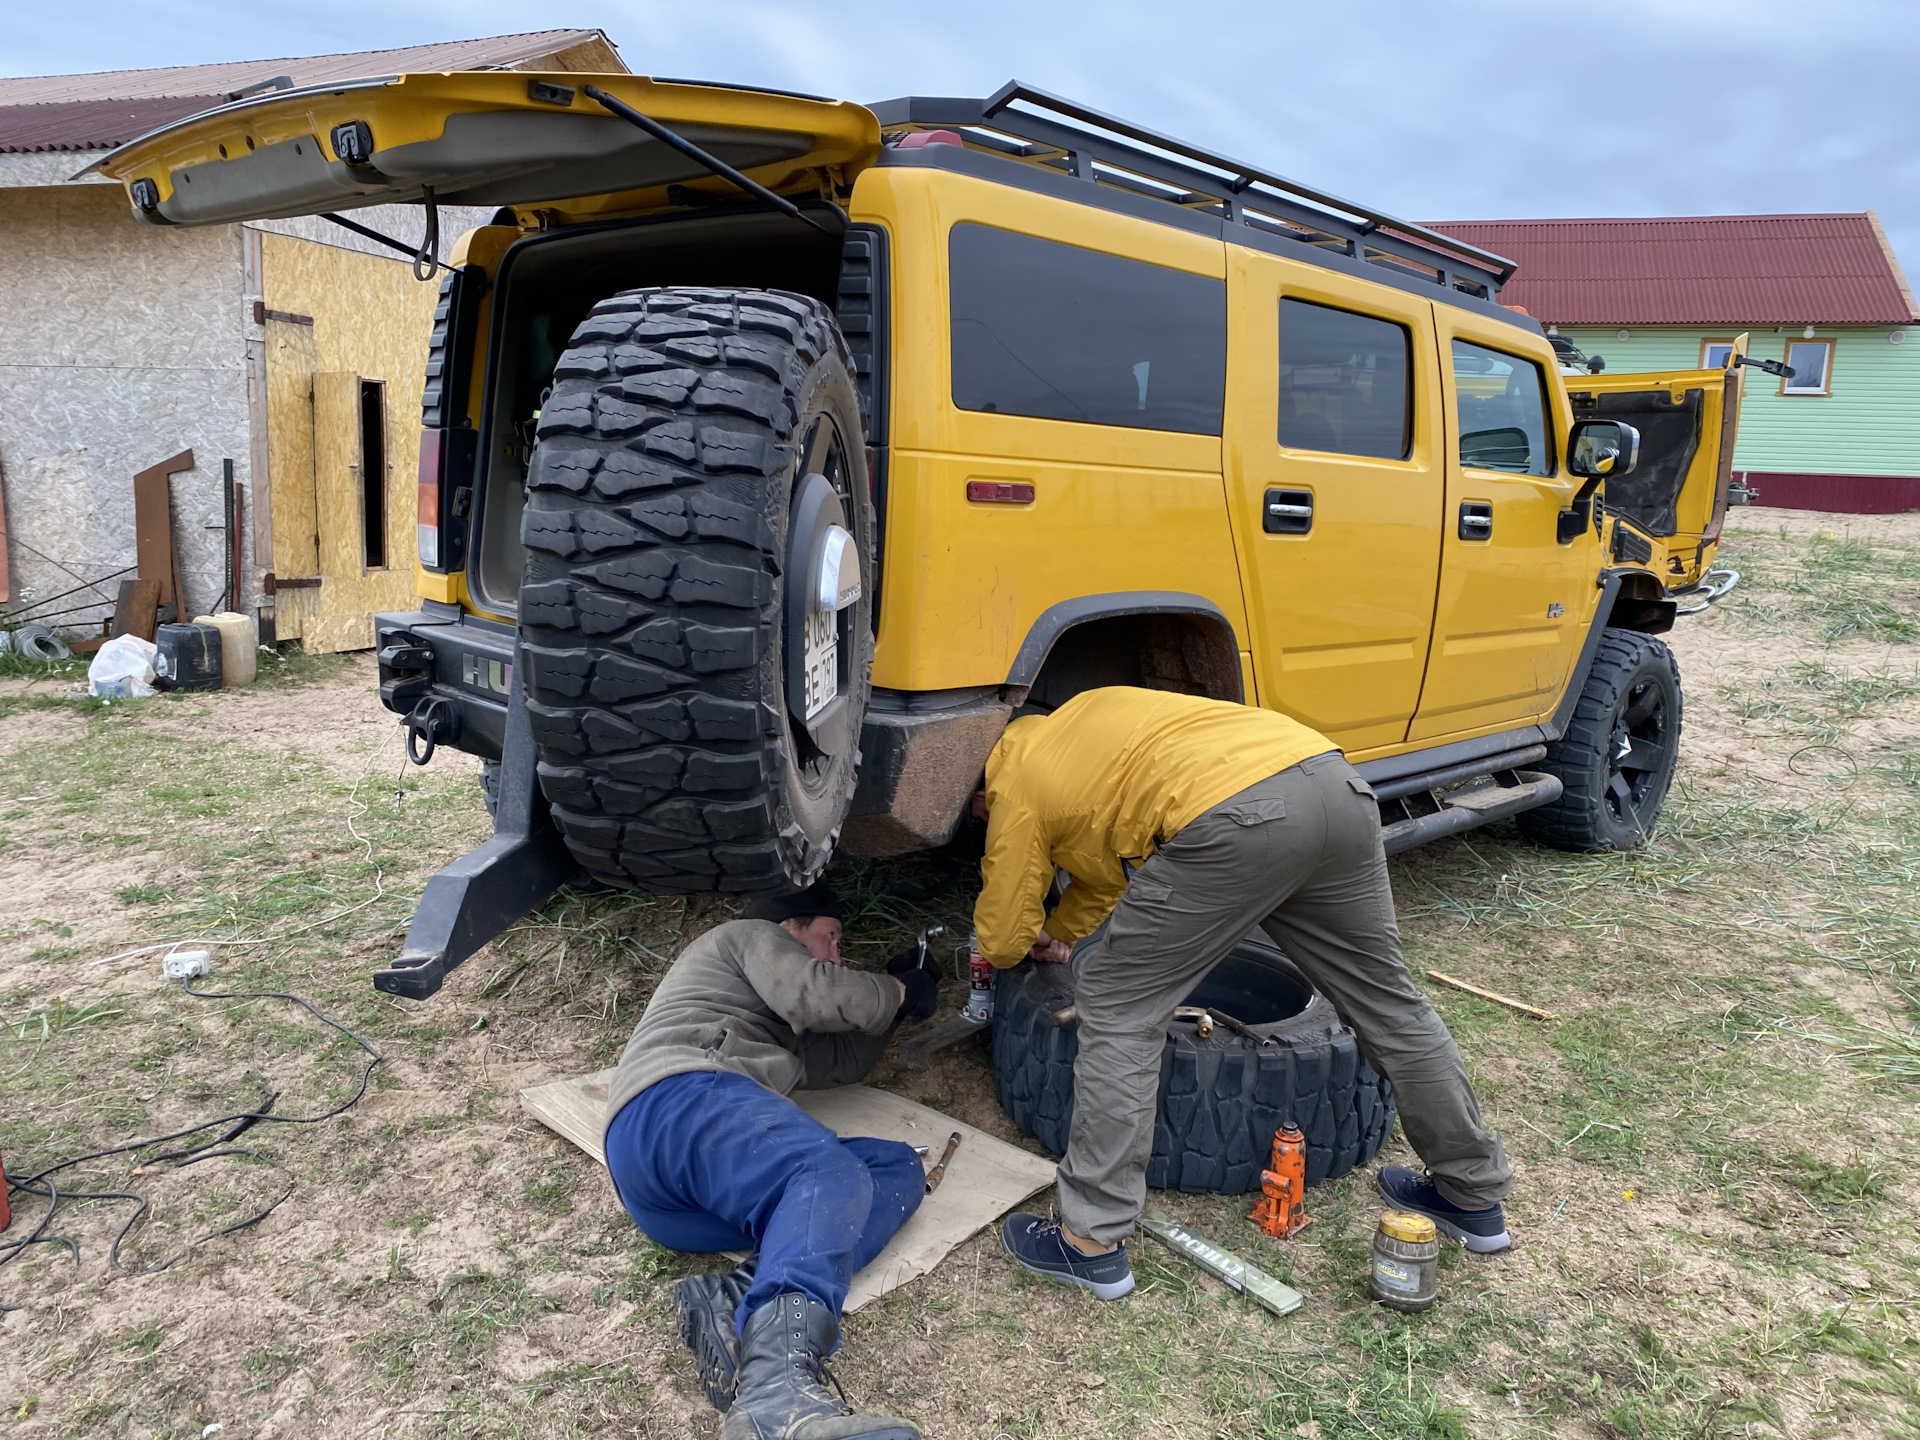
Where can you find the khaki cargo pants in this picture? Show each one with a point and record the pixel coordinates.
(1299, 855)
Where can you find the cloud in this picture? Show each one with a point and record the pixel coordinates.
(1441, 109)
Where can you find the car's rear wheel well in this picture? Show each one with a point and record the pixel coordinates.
(1190, 654)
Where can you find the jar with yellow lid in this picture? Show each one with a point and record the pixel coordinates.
(1406, 1261)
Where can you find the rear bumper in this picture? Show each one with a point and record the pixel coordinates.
(441, 653)
(921, 755)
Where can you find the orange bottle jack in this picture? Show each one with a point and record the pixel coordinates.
(1279, 1211)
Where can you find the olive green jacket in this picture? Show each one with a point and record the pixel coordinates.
(747, 997)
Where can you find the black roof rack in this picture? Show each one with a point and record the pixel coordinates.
(1213, 184)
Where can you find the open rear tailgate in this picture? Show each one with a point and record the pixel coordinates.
(476, 138)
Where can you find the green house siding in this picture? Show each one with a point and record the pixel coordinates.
(1868, 425)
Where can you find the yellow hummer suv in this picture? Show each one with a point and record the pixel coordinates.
(777, 450)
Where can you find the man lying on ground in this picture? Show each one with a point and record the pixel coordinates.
(708, 1154)
(1203, 819)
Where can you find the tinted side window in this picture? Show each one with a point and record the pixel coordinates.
(1503, 411)
(1062, 333)
(1344, 382)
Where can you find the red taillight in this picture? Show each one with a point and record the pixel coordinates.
(427, 517)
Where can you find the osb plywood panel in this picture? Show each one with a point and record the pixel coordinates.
(291, 361)
(326, 634)
(120, 344)
(371, 321)
(336, 474)
(985, 1178)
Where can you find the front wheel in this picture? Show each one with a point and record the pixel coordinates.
(695, 616)
(1616, 760)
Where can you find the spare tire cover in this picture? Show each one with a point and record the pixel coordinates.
(1220, 1098)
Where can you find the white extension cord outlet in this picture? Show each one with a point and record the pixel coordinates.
(185, 964)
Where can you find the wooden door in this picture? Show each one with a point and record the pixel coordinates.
(291, 361)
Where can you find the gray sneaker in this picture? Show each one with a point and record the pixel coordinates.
(1038, 1247)
(1482, 1231)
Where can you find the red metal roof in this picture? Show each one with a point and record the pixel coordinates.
(485, 53)
(1722, 270)
(92, 124)
(107, 108)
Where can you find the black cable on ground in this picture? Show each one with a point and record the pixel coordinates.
(232, 1126)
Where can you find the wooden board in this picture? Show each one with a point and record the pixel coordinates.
(986, 1177)
(368, 314)
(330, 634)
(134, 607)
(153, 525)
(336, 471)
(291, 361)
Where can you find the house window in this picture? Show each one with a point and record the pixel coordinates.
(1716, 354)
(1812, 364)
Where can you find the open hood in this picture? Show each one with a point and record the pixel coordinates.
(1688, 422)
(495, 137)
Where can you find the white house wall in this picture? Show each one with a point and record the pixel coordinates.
(120, 345)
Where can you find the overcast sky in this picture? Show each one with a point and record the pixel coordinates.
(1441, 110)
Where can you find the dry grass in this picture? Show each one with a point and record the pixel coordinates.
(1714, 1148)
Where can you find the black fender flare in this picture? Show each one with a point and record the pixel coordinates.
(1059, 618)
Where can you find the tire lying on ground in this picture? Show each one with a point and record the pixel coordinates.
(698, 484)
(1221, 1098)
(1616, 759)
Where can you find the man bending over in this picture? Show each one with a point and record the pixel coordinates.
(708, 1154)
(1225, 817)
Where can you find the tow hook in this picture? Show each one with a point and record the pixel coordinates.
(433, 723)
(406, 671)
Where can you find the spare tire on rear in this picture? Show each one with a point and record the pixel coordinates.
(695, 617)
(1221, 1098)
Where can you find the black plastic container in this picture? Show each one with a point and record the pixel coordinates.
(189, 657)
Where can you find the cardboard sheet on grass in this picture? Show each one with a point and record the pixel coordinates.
(985, 1179)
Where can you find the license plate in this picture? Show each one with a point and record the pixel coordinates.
(822, 641)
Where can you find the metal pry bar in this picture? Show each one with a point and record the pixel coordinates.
(700, 157)
(939, 1172)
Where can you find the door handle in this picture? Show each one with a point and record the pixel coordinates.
(1287, 512)
(1476, 520)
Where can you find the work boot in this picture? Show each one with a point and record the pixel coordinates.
(705, 1305)
(783, 1391)
(1482, 1231)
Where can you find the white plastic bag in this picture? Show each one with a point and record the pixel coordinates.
(122, 669)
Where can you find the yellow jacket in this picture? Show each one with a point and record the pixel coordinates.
(1110, 774)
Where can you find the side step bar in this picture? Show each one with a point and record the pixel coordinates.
(472, 900)
(1431, 813)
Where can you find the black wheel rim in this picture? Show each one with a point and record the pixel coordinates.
(1639, 755)
(824, 453)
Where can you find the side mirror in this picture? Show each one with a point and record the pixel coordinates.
(1602, 449)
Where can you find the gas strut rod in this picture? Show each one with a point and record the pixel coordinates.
(423, 255)
(700, 157)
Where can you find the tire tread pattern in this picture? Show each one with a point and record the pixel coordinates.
(1220, 1099)
(1579, 820)
(650, 613)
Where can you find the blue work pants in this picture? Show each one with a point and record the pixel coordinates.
(710, 1160)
